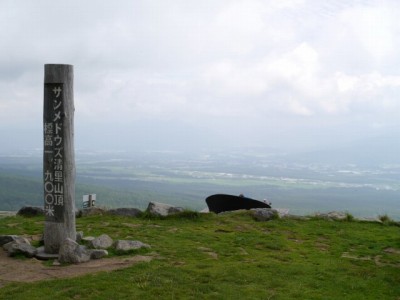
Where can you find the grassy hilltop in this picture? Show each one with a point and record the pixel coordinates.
(231, 256)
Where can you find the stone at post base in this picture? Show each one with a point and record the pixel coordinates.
(72, 252)
(42, 255)
(54, 235)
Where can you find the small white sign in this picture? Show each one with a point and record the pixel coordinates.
(89, 200)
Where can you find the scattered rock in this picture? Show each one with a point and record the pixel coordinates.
(367, 219)
(101, 242)
(333, 215)
(87, 238)
(282, 212)
(126, 212)
(4, 239)
(21, 240)
(31, 211)
(264, 214)
(20, 246)
(98, 253)
(162, 209)
(125, 245)
(72, 252)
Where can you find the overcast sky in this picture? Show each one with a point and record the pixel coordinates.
(182, 73)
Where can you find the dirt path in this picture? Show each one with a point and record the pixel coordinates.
(30, 270)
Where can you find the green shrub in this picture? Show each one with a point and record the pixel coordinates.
(385, 219)
(349, 217)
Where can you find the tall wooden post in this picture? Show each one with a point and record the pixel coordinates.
(58, 156)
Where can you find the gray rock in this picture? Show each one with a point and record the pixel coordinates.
(126, 212)
(264, 214)
(20, 246)
(173, 210)
(19, 240)
(282, 212)
(72, 252)
(101, 242)
(125, 245)
(205, 210)
(4, 239)
(31, 211)
(79, 236)
(8, 247)
(333, 215)
(163, 210)
(369, 219)
(87, 238)
(42, 255)
(98, 253)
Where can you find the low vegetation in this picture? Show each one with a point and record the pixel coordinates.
(231, 256)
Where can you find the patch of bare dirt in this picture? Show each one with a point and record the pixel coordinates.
(208, 251)
(392, 250)
(30, 270)
(377, 259)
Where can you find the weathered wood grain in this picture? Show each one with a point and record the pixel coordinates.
(61, 225)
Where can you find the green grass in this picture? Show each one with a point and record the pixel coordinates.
(231, 256)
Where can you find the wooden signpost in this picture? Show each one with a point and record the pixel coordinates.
(58, 156)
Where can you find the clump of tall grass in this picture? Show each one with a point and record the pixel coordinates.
(385, 219)
(349, 217)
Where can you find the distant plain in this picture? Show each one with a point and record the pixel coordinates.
(121, 179)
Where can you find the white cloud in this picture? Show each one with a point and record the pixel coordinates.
(374, 27)
(198, 61)
(298, 108)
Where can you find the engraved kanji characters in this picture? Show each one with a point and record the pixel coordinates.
(54, 152)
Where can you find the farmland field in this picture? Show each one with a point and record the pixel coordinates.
(132, 180)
